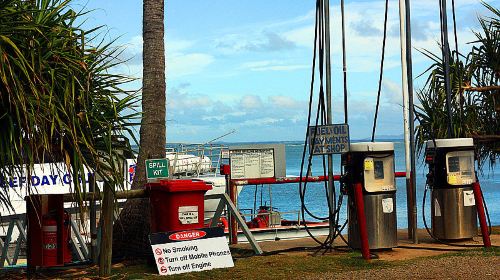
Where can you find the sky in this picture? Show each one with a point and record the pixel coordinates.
(246, 65)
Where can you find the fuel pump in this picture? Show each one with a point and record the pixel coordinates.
(450, 178)
(372, 165)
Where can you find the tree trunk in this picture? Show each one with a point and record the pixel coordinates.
(105, 255)
(132, 228)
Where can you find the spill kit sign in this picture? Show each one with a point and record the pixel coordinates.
(190, 250)
(328, 139)
(157, 169)
(188, 215)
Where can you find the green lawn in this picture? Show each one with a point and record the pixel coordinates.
(285, 266)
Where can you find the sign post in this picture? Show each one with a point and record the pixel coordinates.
(157, 169)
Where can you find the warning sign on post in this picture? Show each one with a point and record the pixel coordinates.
(252, 163)
(328, 139)
(192, 250)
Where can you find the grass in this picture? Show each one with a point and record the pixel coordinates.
(494, 251)
(280, 266)
(296, 265)
(290, 266)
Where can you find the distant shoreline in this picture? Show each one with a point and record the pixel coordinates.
(278, 141)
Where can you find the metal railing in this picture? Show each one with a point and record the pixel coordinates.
(200, 152)
(77, 242)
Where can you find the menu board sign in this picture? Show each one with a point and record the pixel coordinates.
(252, 163)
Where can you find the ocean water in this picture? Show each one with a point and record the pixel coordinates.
(285, 198)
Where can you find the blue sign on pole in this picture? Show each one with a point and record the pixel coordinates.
(329, 139)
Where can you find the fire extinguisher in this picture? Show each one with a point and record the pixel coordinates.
(49, 240)
(50, 233)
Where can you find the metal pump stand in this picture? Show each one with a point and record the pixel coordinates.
(329, 110)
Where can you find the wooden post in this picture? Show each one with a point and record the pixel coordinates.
(233, 226)
(93, 222)
(107, 209)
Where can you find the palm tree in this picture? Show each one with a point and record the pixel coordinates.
(475, 80)
(59, 101)
(132, 229)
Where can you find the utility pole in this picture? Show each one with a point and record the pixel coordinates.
(331, 186)
(445, 48)
(404, 82)
(408, 117)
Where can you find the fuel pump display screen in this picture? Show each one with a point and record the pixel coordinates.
(460, 167)
(378, 169)
(379, 173)
(454, 164)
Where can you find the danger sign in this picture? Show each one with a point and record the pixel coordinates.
(190, 250)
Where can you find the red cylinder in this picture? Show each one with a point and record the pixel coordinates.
(360, 211)
(480, 213)
(49, 241)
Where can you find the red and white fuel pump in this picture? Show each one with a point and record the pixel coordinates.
(369, 167)
(450, 178)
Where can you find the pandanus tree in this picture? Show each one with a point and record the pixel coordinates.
(475, 98)
(60, 98)
(131, 231)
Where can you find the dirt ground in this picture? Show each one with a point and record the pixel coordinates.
(406, 248)
(454, 267)
(298, 259)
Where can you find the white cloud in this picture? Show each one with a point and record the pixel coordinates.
(180, 60)
(253, 41)
(392, 92)
(272, 65)
(285, 102)
(177, 46)
(261, 122)
(302, 36)
(251, 102)
(187, 64)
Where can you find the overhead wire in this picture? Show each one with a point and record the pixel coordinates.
(344, 60)
(320, 119)
(381, 70)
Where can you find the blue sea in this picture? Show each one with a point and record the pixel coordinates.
(285, 198)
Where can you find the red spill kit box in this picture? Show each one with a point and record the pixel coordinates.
(177, 204)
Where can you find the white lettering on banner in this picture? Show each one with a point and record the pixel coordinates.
(187, 235)
(188, 215)
(54, 175)
(193, 255)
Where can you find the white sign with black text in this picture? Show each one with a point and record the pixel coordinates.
(190, 250)
(188, 215)
(252, 163)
